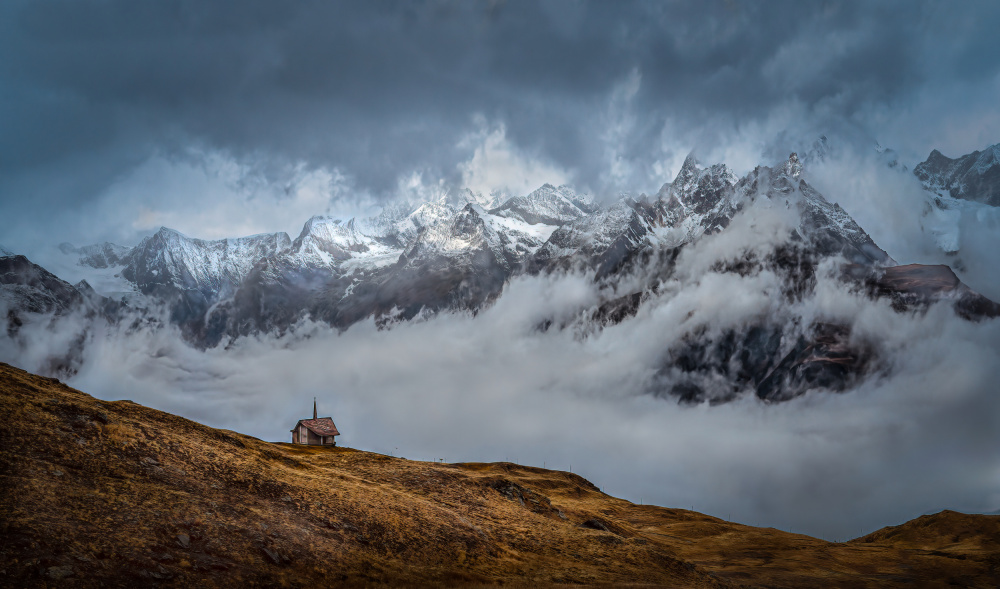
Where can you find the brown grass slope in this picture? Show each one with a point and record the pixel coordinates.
(113, 494)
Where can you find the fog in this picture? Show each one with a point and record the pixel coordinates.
(226, 119)
(917, 436)
(892, 206)
(121, 118)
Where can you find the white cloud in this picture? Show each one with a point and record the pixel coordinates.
(494, 387)
(212, 196)
(919, 436)
(498, 164)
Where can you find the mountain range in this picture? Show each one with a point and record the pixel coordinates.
(456, 255)
(960, 192)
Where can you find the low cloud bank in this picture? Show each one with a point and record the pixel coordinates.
(917, 436)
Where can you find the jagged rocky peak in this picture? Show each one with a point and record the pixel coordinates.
(549, 205)
(465, 231)
(84, 287)
(694, 184)
(793, 167)
(325, 233)
(403, 228)
(328, 242)
(469, 223)
(235, 249)
(420, 258)
(170, 258)
(698, 200)
(974, 177)
(30, 295)
(27, 287)
(685, 180)
(828, 228)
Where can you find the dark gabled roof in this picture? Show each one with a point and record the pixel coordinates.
(322, 426)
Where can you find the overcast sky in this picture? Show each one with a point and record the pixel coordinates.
(226, 118)
(917, 436)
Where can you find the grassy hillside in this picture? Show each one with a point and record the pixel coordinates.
(96, 493)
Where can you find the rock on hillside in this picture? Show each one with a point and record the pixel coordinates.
(114, 494)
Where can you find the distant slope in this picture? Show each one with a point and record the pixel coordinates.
(114, 494)
(974, 176)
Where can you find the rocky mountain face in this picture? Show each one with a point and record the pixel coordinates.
(975, 176)
(547, 205)
(191, 275)
(28, 293)
(961, 194)
(454, 254)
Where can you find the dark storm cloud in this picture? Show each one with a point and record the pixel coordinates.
(919, 436)
(377, 90)
(103, 104)
(380, 86)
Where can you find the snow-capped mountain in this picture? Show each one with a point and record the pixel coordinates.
(974, 177)
(454, 254)
(603, 240)
(412, 259)
(699, 200)
(827, 226)
(328, 242)
(169, 258)
(959, 194)
(548, 205)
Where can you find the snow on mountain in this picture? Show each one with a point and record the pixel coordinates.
(698, 200)
(457, 199)
(453, 254)
(328, 242)
(414, 257)
(601, 240)
(402, 226)
(470, 231)
(548, 205)
(974, 177)
(960, 194)
(431, 256)
(171, 259)
(523, 238)
(703, 201)
(27, 287)
(466, 196)
(827, 225)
